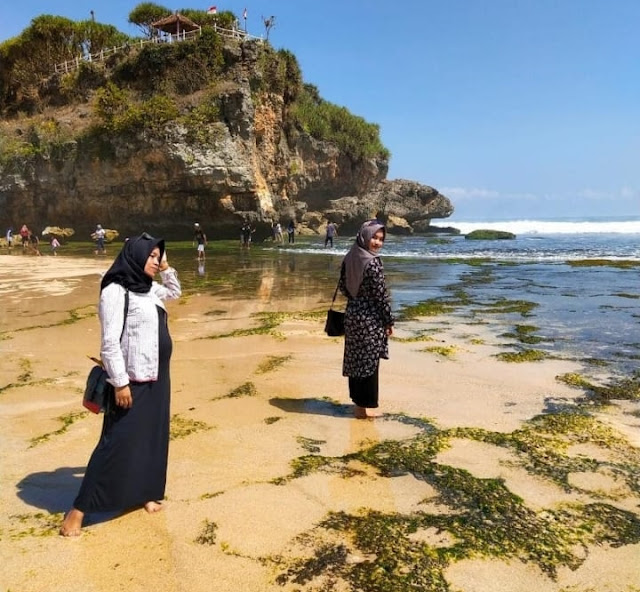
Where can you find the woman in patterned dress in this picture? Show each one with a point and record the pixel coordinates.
(368, 320)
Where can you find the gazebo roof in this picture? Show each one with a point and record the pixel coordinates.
(175, 23)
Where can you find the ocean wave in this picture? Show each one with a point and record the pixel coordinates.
(396, 251)
(548, 227)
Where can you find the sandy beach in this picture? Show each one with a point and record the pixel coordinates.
(273, 485)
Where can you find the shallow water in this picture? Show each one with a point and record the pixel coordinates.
(582, 312)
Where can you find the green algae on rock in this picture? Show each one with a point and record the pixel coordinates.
(181, 427)
(525, 355)
(446, 351)
(272, 363)
(208, 533)
(246, 389)
(485, 234)
(618, 388)
(67, 421)
(478, 517)
(33, 524)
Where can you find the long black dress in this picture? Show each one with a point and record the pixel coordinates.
(128, 467)
(367, 316)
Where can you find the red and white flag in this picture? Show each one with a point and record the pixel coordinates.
(212, 9)
(244, 14)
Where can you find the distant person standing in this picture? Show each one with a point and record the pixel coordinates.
(331, 232)
(245, 234)
(55, 243)
(34, 244)
(291, 231)
(24, 236)
(100, 235)
(277, 235)
(199, 238)
(9, 237)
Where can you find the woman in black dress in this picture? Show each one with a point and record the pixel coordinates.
(368, 321)
(128, 467)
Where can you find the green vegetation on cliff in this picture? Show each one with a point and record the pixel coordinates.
(326, 121)
(143, 88)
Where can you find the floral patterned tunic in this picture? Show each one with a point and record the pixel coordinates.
(367, 316)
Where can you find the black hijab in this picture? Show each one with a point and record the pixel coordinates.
(128, 267)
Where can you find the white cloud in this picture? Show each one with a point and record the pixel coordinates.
(475, 193)
(629, 193)
(469, 193)
(625, 193)
(593, 194)
(474, 203)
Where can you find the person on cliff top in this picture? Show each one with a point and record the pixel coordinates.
(199, 238)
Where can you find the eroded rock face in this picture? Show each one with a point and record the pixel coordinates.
(249, 168)
(405, 206)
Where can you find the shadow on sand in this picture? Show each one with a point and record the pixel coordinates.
(313, 406)
(54, 491)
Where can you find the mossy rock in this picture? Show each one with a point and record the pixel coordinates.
(58, 231)
(489, 235)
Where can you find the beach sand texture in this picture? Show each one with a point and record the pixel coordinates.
(272, 484)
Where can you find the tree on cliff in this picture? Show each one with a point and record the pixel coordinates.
(145, 14)
(29, 58)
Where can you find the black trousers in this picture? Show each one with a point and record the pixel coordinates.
(364, 391)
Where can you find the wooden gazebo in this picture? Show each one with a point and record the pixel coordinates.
(176, 25)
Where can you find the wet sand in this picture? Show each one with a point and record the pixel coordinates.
(233, 516)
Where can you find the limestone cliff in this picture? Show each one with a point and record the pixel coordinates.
(253, 164)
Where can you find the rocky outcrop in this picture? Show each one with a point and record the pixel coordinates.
(246, 167)
(405, 206)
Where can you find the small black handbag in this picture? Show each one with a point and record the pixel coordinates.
(334, 325)
(99, 395)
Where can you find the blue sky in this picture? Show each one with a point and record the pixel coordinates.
(512, 108)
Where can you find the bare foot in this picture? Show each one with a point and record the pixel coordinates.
(373, 413)
(359, 412)
(72, 523)
(153, 507)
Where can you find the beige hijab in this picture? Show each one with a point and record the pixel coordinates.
(359, 256)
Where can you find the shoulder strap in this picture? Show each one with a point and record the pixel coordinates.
(126, 312)
(335, 294)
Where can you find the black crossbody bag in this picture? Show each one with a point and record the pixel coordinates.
(334, 325)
